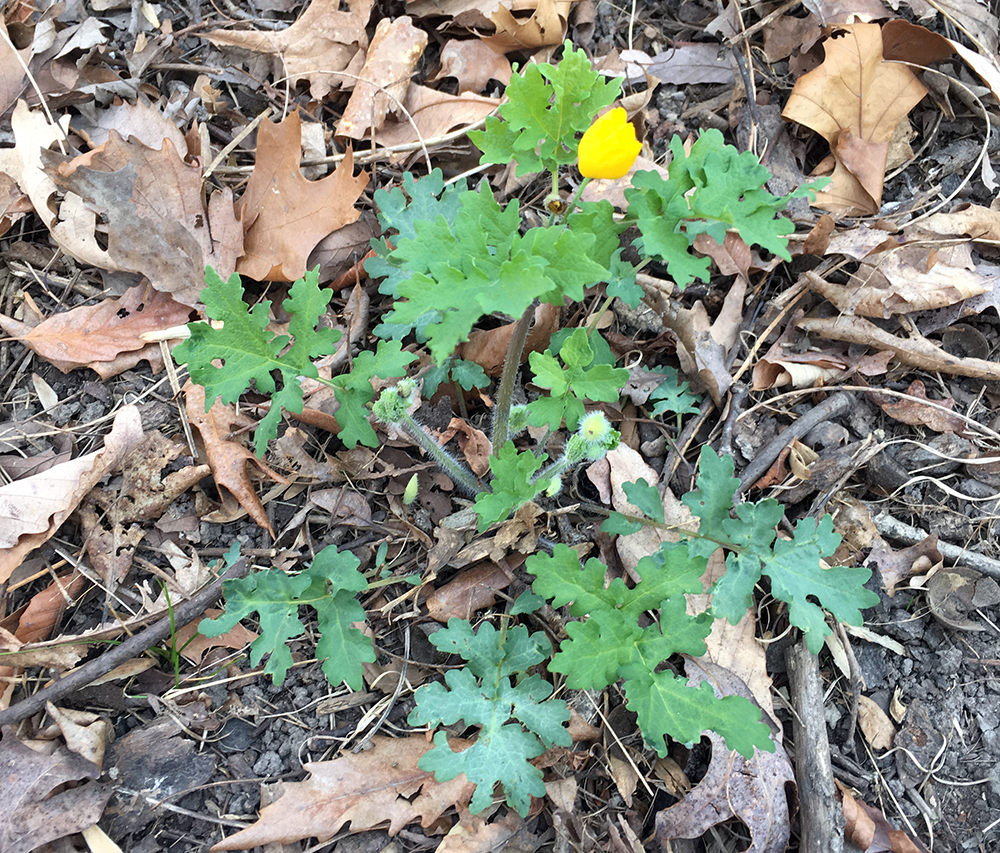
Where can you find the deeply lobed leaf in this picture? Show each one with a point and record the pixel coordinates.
(486, 694)
(328, 586)
(547, 107)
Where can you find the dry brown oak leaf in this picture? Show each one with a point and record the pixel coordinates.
(855, 100)
(317, 46)
(33, 815)
(33, 509)
(287, 215)
(228, 458)
(380, 786)
(104, 337)
(158, 224)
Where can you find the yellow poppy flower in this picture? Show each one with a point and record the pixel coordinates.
(609, 147)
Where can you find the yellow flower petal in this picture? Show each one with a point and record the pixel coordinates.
(609, 147)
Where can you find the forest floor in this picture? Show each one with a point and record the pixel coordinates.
(126, 127)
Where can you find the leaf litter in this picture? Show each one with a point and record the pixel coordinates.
(119, 187)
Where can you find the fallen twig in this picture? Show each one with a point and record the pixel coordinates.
(133, 646)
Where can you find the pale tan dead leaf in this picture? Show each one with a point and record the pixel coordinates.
(23, 162)
(910, 411)
(392, 56)
(875, 724)
(689, 62)
(474, 833)
(344, 505)
(754, 788)
(468, 592)
(320, 43)
(61, 657)
(32, 510)
(85, 733)
(104, 336)
(142, 120)
(382, 785)
(474, 444)
(545, 28)
(158, 223)
(433, 113)
(702, 344)
(285, 215)
(40, 805)
(114, 520)
(12, 76)
(855, 100)
(14, 203)
(970, 220)
(896, 566)
(473, 63)
(229, 459)
(907, 279)
(469, 12)
(194, 645)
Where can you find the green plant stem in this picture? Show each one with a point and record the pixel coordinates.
(511, 364)
(450, 466)
(555, 469)
(592, 325)
(572, 202)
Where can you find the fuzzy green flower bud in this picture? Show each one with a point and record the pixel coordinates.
(597, 436)
(518, 420)
(390, 407)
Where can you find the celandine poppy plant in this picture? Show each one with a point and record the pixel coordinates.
(609, 147)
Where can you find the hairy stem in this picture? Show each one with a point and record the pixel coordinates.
(511, 364)
(450, 466)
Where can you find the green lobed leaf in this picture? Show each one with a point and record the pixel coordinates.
(645, 498)
(672, 395)
(796, 575)
(711, 501)
(511, 484)
(616, 523)
(547, 106)
(484, 694)
(355, 390)
(249, 353)
(709, 190)
(328, 586)
(578, 380)
(668, 706)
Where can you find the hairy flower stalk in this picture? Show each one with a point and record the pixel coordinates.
(609, 147)
(391, 407)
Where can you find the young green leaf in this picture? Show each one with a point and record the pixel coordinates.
(479, 263)
(329, 586)
(486, 694)
(645, 498)
(611, 644)
(355, 390)
(251, 354)
(547, 107)
(573, 383)
(671, 395)
(710, 190)
(512, 484)
(792, 565)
